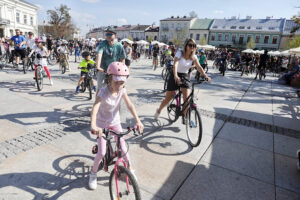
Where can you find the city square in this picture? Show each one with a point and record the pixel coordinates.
(250, 132)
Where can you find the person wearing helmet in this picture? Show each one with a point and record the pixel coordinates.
(41, 54)
(169, 59)
(105, 114)
(63, 52)
(128, 51)
(108, 51)
(87, 61)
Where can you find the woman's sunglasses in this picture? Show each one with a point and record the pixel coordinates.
(192, 45)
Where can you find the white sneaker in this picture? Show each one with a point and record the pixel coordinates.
(132, 172)
(156, 115)
(93, 181)
(51, 82)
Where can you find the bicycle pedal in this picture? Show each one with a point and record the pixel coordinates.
(95, 149)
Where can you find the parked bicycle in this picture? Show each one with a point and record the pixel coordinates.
(121, 182)
(192, 119)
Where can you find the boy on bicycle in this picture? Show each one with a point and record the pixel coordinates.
(84, 69)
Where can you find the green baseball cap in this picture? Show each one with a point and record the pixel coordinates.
(110, 29)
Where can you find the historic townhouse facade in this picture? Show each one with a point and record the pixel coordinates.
(17, 14)
(152, 33)
(200, 30)
(138, 32)
(175, 28)
(235, 33)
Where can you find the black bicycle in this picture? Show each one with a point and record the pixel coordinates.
(192, 119)
(122, 183)
(88, 81)
(198, 75)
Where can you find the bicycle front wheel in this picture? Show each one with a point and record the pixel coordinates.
(90, 89)
(39, 79)
(194, 127)
(126, 185)
(172, 111)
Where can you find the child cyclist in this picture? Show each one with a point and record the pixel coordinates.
(84, 69)
(105, 114)
(41, 54)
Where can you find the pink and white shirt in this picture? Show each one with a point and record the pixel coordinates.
(108, 113)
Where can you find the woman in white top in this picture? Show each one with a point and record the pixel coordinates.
(183, 61)
(41, 54)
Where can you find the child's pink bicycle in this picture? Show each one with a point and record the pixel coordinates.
(122, 183)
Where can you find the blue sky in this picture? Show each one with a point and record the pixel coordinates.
(87, 14)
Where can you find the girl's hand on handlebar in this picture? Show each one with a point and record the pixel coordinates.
(140, 127)
(208, 79)
(96, 131)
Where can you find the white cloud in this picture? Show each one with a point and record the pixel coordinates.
(91, 1)
(218, 11)
(121, 21)
(84, 21)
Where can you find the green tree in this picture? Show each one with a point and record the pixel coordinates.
(295, 42)
(130, 37)
(60, 22)
(175, 41)
(203, 41)
(250, 44)
(150, 38)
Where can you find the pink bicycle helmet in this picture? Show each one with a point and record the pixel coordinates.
(118, 69)
(38, 40)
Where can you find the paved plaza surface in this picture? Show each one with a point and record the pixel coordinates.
(251, 133)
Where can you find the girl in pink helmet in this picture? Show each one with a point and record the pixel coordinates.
(105, 114)
(41, 54)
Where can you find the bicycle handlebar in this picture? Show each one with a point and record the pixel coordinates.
(106, 131)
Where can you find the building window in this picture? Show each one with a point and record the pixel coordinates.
(233, 27)
(18, 17)
(198, 37)
(257, 38)
(274, 41)
(191, 35)
(212, 37)
(205, 36)
(0, 12)
(155, 37)
(226, 37)
(258, 27)
(215, 26)
(172, 25)
(242, 27)
(146, 37)
(241, 40)
(233, 38)
(219, 37)
(248, 38)
(31, 21)
(266, 39)
(25, 19)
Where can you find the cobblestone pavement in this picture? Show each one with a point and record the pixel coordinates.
(248, 150)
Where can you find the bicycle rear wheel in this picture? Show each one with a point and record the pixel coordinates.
(163, 73)
(82, 87)
(193, 127)
(128, 187)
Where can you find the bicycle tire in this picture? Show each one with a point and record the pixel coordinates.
(132, 181)
(39, 79)
(90, 86)
(193, 120)
(260, 75)
(163, 73)
(24, 67)
(243, 70)
(206, 70)
(63, 68)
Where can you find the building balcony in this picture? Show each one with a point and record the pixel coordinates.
(4, 21)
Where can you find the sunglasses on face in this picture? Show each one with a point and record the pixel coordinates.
(192, 45)
(108, 34)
